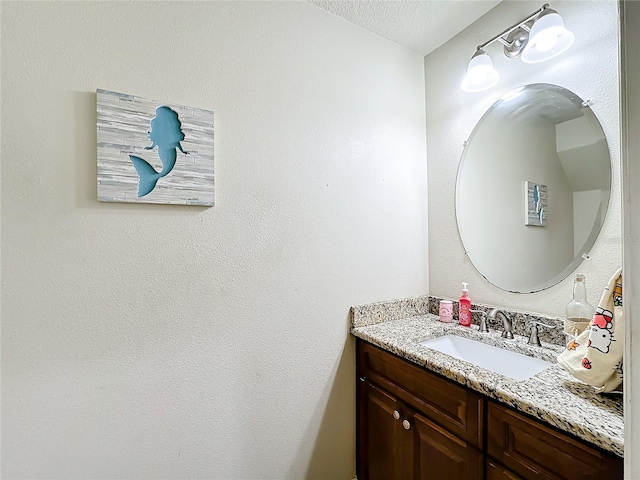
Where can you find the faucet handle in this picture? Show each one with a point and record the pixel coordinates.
(533, 338)
(483, 320)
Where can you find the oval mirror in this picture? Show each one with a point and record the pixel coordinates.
(533, 188)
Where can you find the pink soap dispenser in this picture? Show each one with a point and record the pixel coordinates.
(464, 307)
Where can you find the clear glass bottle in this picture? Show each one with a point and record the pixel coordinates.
(579, 311)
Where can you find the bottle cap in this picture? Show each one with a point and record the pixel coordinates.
(465, 286)
(579, 277)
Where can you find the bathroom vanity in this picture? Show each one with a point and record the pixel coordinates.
(426, 415)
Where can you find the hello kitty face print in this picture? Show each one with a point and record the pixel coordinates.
(601, 335)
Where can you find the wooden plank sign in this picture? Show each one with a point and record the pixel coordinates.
(153, 152)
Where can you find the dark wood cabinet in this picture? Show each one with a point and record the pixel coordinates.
(448, 404)
(533, 450)
(396, 443)
(414, 424)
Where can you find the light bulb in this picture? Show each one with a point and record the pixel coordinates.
(547, 43)
(480, 73)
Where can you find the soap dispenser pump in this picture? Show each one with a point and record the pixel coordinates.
(464, 306)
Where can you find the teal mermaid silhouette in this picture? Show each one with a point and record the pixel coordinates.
(166, 134)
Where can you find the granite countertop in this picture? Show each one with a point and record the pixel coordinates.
(552, 396)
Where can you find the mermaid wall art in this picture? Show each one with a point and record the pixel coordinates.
(176, 168)
(166, 134)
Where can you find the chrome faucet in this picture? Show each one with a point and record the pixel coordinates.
(508, 323)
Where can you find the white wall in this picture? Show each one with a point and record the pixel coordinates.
(144, 341)
(589, 69)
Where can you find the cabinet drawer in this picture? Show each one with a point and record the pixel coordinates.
(536, 451)
(448, 404)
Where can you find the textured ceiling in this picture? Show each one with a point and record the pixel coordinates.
(421, 25)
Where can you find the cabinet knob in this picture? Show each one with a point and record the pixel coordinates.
(396, 414)
(406, 425)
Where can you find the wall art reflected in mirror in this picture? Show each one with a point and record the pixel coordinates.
(533, 187)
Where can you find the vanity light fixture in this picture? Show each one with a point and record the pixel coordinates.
(536, 38)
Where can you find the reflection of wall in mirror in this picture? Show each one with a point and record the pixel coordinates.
(586, 211)
(590, 178)
(493, 203)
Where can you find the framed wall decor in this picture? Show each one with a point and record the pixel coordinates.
(153, 152)
(535, 204)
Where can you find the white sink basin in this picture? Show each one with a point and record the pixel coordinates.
(498, 360)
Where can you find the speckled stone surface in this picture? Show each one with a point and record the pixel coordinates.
(520, 320)
(372, 313)
(552, 396)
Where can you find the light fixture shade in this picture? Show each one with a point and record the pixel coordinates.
(548, 38)
(480, 73)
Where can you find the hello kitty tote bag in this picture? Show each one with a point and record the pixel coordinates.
(595, 356)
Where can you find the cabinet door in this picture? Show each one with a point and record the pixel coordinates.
(439, 455)
(380, 434)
